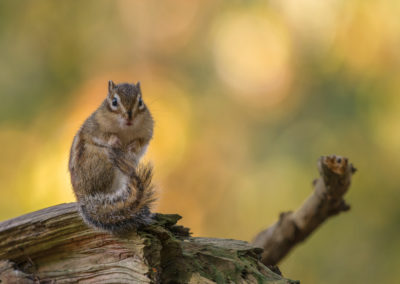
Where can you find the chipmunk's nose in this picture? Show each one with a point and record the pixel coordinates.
(130, 115)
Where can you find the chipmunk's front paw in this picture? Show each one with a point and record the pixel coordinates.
(134, 147)
(114, 141)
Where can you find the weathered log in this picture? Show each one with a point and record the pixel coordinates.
(53, 245)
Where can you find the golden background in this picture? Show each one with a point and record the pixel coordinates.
(246, 96)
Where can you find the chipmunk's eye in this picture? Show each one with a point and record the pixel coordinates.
(140, 102)
(114, 102)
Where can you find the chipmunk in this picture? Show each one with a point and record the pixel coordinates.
(114, 192)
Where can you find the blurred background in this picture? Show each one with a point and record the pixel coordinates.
(246, 96)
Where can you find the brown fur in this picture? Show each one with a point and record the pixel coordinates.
(113, 191)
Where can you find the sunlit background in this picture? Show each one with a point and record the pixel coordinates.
(246, 96)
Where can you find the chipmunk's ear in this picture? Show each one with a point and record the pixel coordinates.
(138, 87)
(111, 86)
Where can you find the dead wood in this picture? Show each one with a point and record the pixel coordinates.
(325, 202)
(53, 245)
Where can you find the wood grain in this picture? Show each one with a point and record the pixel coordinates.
(53, 245)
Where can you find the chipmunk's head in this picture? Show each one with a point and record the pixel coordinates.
(125, 105)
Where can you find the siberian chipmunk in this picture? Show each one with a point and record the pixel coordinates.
(113, 190)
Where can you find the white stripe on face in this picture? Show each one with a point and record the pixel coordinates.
(119, 103)
(139, 97)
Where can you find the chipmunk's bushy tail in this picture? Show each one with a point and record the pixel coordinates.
(124, 210)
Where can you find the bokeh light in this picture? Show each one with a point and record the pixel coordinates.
(246, 95)
(252, 57)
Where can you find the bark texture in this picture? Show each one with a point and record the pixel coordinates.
(326, 201)
(53, 245)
